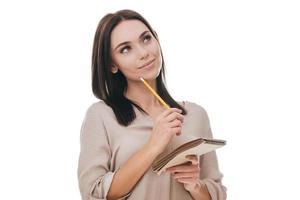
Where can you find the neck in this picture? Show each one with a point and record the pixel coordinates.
(139, 94)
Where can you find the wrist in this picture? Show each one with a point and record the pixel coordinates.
(151, 151)
(196, 188)
(200, 191)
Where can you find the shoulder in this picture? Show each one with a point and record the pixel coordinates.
(196, 110)
(194, 107)
(99, 109)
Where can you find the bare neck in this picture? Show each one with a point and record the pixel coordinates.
(139, 93)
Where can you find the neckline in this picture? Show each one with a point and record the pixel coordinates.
(151, 118)
(142, 114)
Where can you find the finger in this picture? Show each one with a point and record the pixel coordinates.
(169, 111)
(171, 169)
(184, 168)
(194, 159)
(175, 123)
(173, 116)
(186, 175)
(176, 130)
(186, 180)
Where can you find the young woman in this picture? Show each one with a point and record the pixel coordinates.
(128, 128)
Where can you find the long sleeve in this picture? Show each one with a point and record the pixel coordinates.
(209, 169)
(94, 174)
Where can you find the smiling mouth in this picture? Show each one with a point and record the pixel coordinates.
(147, 64)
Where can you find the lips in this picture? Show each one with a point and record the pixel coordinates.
(146, 64)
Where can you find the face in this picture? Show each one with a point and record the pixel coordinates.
(135, 51)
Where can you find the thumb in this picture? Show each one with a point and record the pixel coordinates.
(193, 159)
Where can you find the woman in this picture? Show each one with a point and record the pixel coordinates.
(128, 128)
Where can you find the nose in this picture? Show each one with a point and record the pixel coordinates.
(143, 52)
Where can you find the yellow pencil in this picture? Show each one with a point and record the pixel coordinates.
(154, 93)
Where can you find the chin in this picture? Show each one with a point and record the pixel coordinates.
(151, 75)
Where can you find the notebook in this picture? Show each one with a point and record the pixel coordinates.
(177, 156)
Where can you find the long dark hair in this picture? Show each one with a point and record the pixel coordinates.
(110, 87)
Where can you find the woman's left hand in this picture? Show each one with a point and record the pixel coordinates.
(187, 173)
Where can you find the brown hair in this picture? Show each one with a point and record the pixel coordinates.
(110, 87)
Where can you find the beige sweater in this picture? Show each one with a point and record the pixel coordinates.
(106, 146)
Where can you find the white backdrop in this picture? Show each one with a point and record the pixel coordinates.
(237, 59)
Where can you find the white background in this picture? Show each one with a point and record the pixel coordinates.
(237, 59)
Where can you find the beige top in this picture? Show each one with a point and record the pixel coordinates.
(107, 145)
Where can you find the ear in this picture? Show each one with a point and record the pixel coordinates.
(114, 69)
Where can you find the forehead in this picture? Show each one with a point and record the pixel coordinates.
(128, 30)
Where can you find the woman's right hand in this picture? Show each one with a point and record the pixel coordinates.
(166, 125)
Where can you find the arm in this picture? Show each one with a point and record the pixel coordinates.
(130, 173)
(188, 174)
(210, 174)
(165, 127)
(200, 192)
(96, 181)
(94, 174)
(203, 183)
(201, 179)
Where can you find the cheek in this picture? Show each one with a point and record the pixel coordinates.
(125, 62)
(127, 65)
(157, 53)
(159, 60)
(155, 49)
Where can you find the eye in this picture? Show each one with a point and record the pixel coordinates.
(125, 49)
(147, 37)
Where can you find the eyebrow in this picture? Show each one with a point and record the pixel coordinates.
(127, 42)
